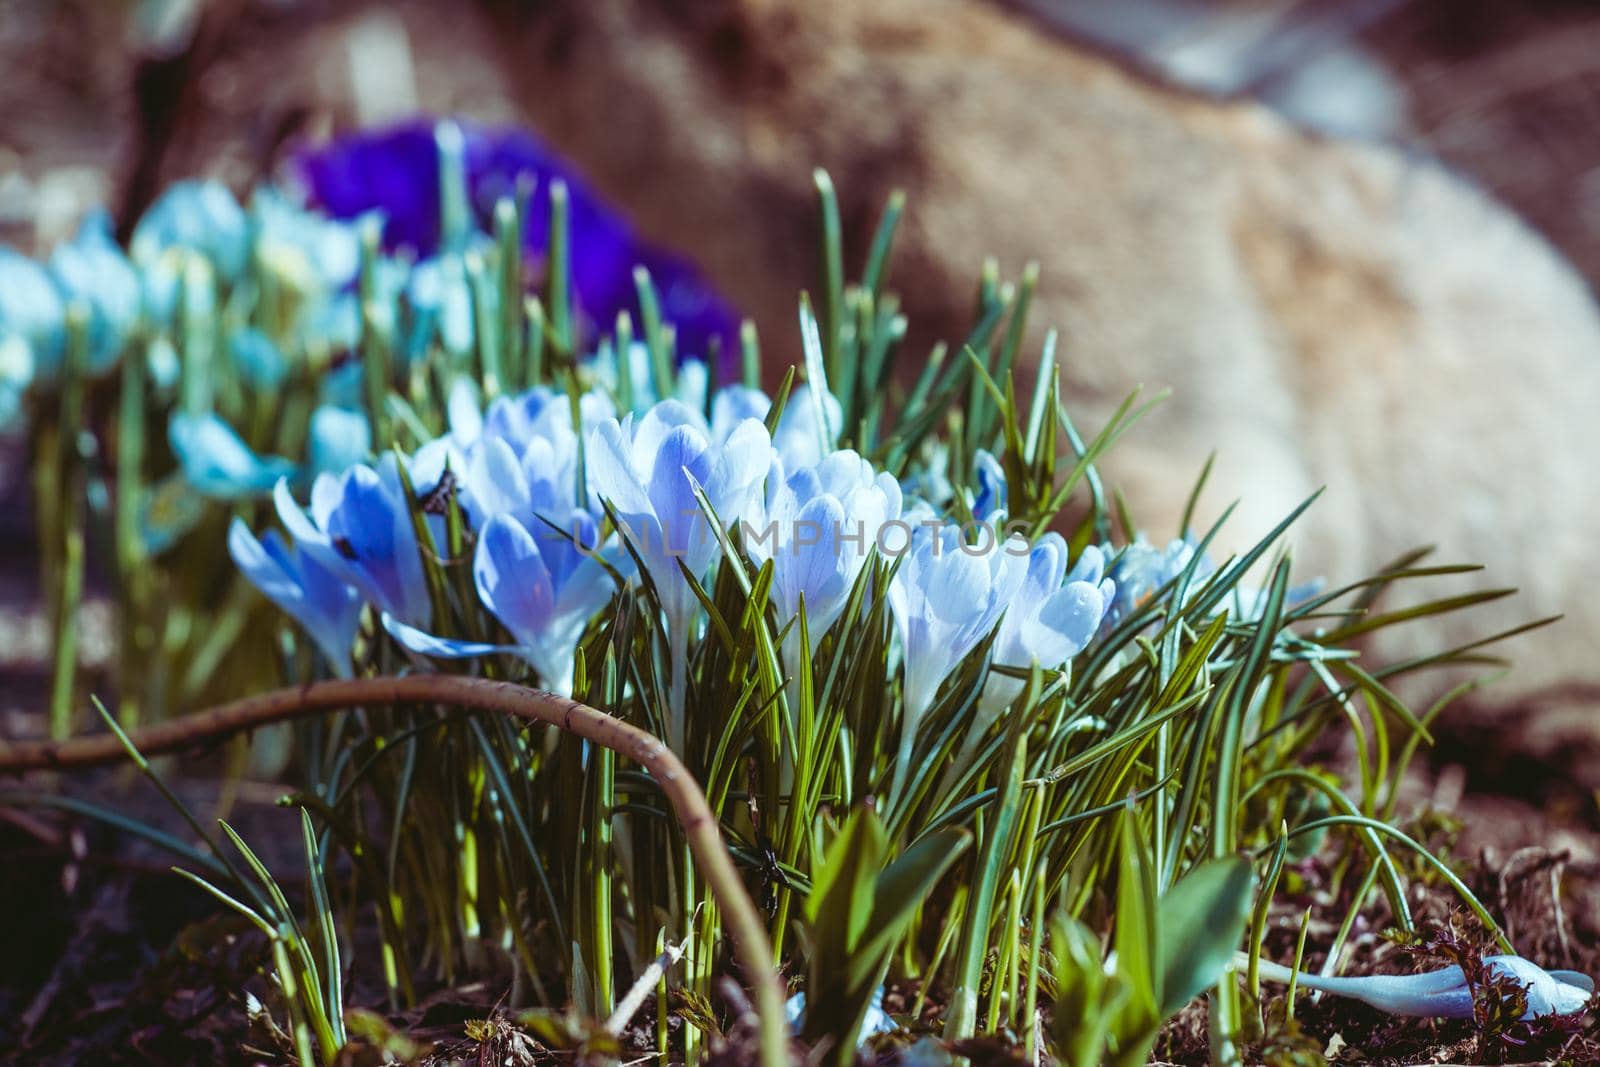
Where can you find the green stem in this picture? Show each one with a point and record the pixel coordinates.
(605, 766)
(129, 543)
(69, 580)
(962, 1015)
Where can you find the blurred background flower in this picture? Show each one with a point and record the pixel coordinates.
(395, 171)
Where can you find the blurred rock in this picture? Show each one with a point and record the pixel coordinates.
(1303, 59)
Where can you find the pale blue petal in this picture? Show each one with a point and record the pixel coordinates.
(683, 456)
(611, 474)
(427, 644)
(202, 216)
(217, 462)
(464, 411)
(732, 405)
(693, 381)
(327, 609)
(371, 532)
(259, 362)
(340, 439)
(32, 309)
(495, 480)
(1091, 566)
(512, 579)
(91, 268)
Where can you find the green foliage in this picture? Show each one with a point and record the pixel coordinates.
(860, 905)
(1167, 949)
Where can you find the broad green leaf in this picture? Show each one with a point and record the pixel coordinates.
(1202, 918)
(1080, 1018)
(840, 903)
(904, 886)
(1137, 945)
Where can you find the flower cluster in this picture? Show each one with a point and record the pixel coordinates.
(552, 543)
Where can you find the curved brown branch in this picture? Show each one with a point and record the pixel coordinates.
(700, 828)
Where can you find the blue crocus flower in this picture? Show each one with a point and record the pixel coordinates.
(606, 365)
(1053, 618)
(929, 480)
(875, 1022)
(542, 414)
(397, 171)
(544, 589)
(32, 314)
(312, 251)
(91, 268)
(820, 524)
(339, 439)
(200, 216)
(438, 292)
(308, 592)
(799, 434)
(360, 529)
(217, 462)
(648, 470)
(946, 597)
(1141, 570)
(16, 374)
(537, 565)
(1446, 993)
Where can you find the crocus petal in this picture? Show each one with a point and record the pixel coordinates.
(201, 216)
(1445, 993)
(327, 609)
(371, 531)
(217, 462)
(92, 269)
(611, 474)
(340, 439)
(260, 363)
(734, 404)
(427, 644)
(990, 500)
(32, 311)
(495, 479)
(464, 411)
(512, 579)
(680, 463)
(516, 584)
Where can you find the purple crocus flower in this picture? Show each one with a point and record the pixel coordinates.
(396, 171)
